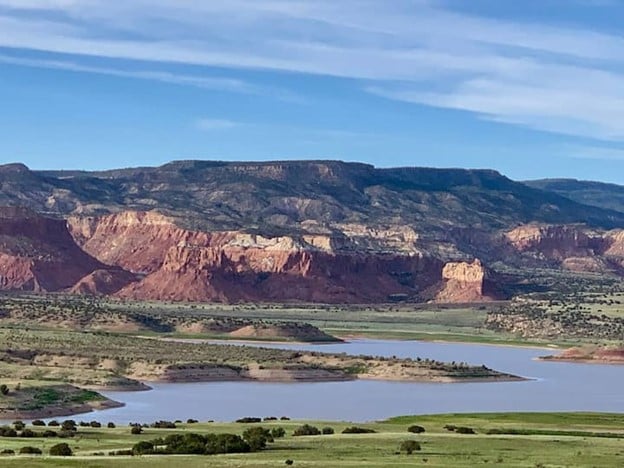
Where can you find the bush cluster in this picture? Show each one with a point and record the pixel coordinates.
(459, 429)
(358, 430)
(306, 430)
(193, 444)
(247, 420)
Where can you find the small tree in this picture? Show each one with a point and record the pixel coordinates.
(69, 425)
(257, 438)
(111, 425)
(61, 450)
(4, 389)
(409, 446)
(278, 432)
(327, 430)
(142, 448)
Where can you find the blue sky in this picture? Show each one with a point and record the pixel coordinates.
(532, 89)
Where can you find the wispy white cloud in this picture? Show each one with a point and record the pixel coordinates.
(226, 84)
(564, 79)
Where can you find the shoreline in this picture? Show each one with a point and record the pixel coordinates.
(239, 341)
(550, 347)
(60, 411)
(571, 360)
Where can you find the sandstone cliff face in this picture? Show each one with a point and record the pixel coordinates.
(39, 254)
(574, 248)
(554, 242)
(357, 264)
(463, 282)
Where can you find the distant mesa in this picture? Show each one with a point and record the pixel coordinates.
(312, 231)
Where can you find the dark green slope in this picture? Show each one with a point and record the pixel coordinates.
(608, 196)
(277, 197)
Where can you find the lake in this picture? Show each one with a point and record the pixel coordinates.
(556, 386)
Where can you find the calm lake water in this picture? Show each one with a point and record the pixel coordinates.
(557, 386)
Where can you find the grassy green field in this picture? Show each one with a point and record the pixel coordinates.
(590, 440)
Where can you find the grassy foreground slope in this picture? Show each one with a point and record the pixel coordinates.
(544, 439)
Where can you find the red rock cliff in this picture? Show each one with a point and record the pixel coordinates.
(39, 254)
(234, 266)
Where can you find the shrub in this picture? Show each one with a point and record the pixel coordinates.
(327, 430)
(69, 425)
(465, 430)
(28, 433)
(450, 427)
(7, 452)
(191, 421)
(53, 423)
(38, 422)
(6, 431)
(111, 425)
(61, 450)
(284, 418)
(163, 425)
(306, 430)
(95, 424)
(278, 432)
(4, 389)
(409, 446)
(142, 448)
(289, 462)
(30, 451)
(416, 429)
(64, 434)
(358, 430)
(120, 453)
(136, 430)
(257, 438)
(48, 433)
(18, 425)
(248, 420)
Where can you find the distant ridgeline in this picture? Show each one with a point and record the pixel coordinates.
(313, 231)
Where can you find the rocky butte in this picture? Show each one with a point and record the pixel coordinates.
(313, 231)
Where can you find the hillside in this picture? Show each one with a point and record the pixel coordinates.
(276, 197)
(606, 196)
(313, 231)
